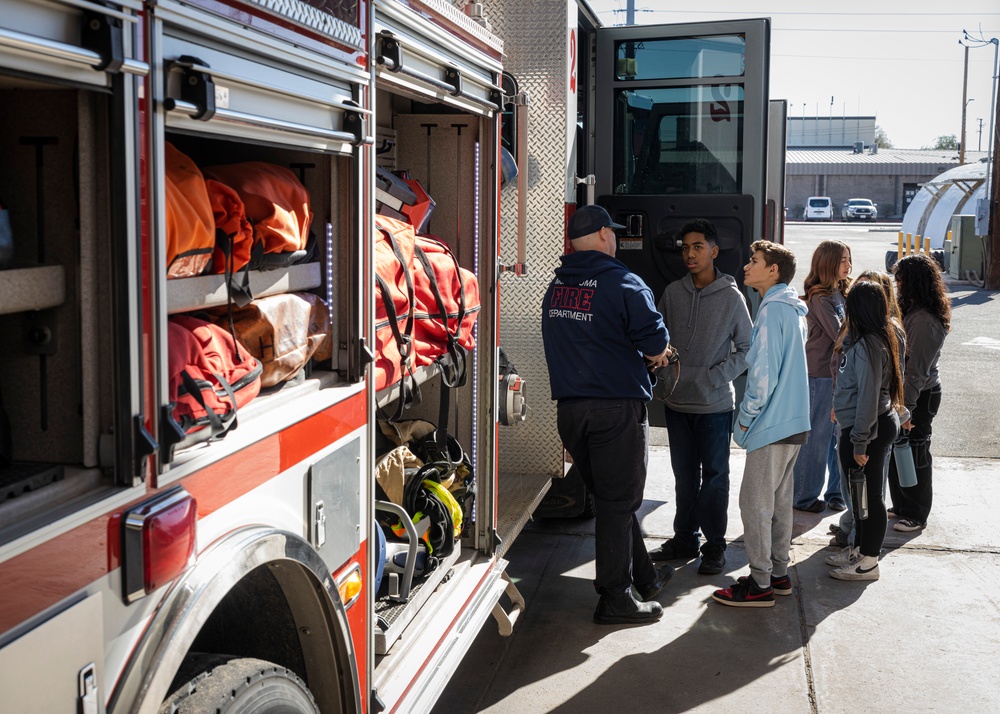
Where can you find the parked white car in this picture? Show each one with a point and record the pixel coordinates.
(859, 209)
(818, 208)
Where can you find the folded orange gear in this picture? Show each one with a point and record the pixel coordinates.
(190, 222)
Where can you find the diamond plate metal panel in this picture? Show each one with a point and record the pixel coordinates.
(536, 48)
(328, 16)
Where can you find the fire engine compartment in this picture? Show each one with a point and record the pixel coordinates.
(441, 147)
(60, 299)
(327, 273)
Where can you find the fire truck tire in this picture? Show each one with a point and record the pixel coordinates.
(230, 685)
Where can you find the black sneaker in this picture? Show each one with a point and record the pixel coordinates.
(673, 549)
(623, 609)
(781, 586)
(713, 560)
(836, 504)
(817, 506)
(745, 593)
(649, 592)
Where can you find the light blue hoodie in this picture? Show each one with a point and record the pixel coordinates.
(776, 403)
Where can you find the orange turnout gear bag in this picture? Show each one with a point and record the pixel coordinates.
(393, 301)
(426, 305)
(211, 376)
(447, 306)
(189, 217)
(276, 205)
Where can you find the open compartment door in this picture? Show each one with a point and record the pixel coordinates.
(681, 128)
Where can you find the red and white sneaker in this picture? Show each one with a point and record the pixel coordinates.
(745, 593)
(781, 585)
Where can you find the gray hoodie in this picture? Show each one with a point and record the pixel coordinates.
(862, 391)
(710, 329)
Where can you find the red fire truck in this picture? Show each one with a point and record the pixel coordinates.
(143, 571)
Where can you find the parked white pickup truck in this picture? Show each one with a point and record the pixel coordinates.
(859, 209)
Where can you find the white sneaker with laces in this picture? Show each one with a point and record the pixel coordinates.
(864, 568)
(845, 556)
(907, 525)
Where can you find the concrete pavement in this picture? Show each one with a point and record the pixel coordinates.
(924, 638)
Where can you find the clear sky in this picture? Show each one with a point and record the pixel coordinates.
(898, 60)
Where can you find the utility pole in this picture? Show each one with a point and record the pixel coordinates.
(980, 133)
(991, 279)
(630, 13)
(830, 132)
(965, 104)
(991, 241)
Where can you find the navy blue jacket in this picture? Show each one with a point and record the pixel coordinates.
(598, 320)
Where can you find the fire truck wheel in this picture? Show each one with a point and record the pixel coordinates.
(231, 685)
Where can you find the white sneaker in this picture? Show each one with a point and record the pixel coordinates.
(907, 525)
(845, 556)
(864, 568)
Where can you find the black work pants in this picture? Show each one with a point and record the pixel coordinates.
(914, 502)
(608, 439)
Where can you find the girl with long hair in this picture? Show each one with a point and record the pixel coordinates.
(843, 531)
(867, 402)
(926, 308)
(826, 286)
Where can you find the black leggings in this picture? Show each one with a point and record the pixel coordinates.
(871, 531)
(914, 503)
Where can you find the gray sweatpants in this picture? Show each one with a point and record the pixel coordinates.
(766, 509)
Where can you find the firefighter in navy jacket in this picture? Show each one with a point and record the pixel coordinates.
(602, 333)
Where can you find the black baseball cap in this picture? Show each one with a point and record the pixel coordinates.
(589, 219)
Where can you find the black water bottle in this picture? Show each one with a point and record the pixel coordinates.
(859, 493)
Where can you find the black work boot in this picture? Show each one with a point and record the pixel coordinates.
(713, 560)
(623, 609)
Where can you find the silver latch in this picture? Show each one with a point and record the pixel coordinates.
(320, 521)
(88, 691)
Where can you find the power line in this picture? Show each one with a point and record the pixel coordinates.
(852, 30)
(821, 13)
(935, 60)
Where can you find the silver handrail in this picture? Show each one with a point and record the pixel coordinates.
(61, 51)
(287, 127)
(216, 74)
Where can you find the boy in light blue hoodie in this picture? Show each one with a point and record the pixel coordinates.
(772, 425)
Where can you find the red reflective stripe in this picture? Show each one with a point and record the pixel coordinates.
(57, 568)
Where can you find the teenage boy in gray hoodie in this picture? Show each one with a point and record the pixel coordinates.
(710, 326)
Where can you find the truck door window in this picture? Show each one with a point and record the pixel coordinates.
(680, 58)
(679, 140)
